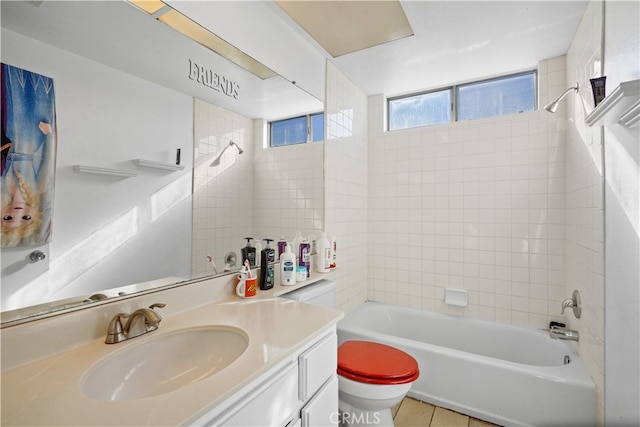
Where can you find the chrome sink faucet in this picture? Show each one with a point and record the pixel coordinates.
(140, 322)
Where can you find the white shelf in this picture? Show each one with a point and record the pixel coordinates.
(103, 171)
(157, 165)
(620, 106)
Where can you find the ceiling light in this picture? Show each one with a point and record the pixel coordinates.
(202, 36)
(342, 27)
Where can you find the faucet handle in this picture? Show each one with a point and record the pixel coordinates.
(573, 303)
(115, 333)
(157, 305)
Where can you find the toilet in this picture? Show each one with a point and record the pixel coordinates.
(372, 377)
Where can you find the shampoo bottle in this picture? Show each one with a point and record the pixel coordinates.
(334, 248)
(287, 267)
(249, 253)
(282, 244)
(323, 261)
(305, 256)
(267, 259)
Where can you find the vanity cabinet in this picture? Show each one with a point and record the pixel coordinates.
(300, 391)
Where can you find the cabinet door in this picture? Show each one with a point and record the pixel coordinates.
(317, 364)
(269, 404)
(322, 410)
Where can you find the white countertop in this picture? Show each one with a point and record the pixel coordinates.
(47, 391)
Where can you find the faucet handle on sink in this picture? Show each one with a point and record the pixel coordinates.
(157, 305)
(115, 333)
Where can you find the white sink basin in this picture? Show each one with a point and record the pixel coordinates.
(165, 363)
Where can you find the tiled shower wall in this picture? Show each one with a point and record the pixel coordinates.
(346, 155)
(475, 205)
(220, 190)
(288, 188)
(584, 198)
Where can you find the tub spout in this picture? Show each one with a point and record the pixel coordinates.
(564, 334)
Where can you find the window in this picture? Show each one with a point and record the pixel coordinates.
(497, 97)
(297, 130)
(425, 109)
(487, 98)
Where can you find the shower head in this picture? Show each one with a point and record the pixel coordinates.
(553, 106)
(216, 161)
(240, 150)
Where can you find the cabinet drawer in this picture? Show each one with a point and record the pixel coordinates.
(317, 365)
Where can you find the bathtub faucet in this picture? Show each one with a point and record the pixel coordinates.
(557, 332)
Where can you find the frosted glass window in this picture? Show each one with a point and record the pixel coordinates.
(497, 97)
(511, 94)
(425, 109)
(297, 130)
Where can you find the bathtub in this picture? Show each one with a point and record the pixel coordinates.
(500, 373)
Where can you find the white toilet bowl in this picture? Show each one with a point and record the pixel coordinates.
(364, 404)
(372, 378)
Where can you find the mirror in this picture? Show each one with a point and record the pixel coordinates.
(124, 96)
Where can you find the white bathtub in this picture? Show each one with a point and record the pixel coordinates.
(500, 373)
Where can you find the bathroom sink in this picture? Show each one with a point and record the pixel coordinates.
(165, 363)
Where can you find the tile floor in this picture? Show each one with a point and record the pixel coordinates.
(413, 413)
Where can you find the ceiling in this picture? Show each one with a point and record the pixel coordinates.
(457, 41)
(452, 41)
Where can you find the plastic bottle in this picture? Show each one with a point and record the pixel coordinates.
(287, 267)
(249, 252)
(267, 258)
(296, 246)
(305, 256)
(323, 261)
(333, 251)
(282, 244)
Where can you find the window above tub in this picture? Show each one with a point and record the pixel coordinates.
(296, 130)
(510, 94)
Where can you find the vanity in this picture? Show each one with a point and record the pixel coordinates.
(261, 361)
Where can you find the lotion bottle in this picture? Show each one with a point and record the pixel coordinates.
(267, 259)
(323, 261)
(287, 267)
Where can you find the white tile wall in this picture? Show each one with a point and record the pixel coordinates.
(346, 159)
(289, 189)
(473, 205)
(584, 199)
(220, 189)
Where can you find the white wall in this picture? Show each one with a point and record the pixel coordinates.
(106, 118)
(622, 224)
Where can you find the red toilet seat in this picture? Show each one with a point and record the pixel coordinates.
(374, 363)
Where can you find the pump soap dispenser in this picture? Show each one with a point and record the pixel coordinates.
(287, 267)
(267, 259)
(249, 252)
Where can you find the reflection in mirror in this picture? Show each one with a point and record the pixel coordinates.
(123, 96)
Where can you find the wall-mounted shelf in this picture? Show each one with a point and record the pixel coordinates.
(620, 106)
(157, 165)
(104, 171)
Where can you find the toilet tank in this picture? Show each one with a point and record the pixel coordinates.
(322, 293)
